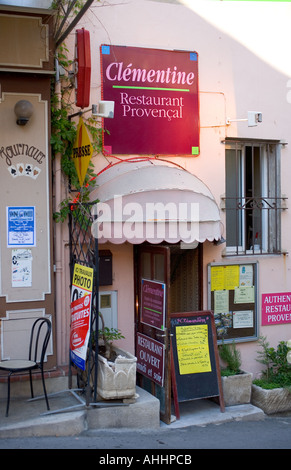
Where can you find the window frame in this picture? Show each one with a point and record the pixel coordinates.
(267, 204)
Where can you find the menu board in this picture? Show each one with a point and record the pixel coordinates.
(232, 296)
(193, 349)
(195, 371)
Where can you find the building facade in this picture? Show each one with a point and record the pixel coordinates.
(193, 178)
(27, 274)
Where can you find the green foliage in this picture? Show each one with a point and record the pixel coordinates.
(277, 372)
(63, 136)
(231, 357)
(63, 133)
(110, 334)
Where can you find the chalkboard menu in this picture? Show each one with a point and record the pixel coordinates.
(195, 357)
(232, 296)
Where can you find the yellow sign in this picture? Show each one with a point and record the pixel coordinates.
(193, 349)
(82, 151)
(224, 277)
(83, 277)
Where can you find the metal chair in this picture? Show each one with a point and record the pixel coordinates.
(37, 349)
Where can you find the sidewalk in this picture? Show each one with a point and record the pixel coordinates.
(29, 418)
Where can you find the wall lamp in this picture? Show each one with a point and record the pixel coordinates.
(104, 110)
(219, 242)
(23, 110)
(254, 117)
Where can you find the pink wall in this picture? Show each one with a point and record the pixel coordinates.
(233, 79)
(123, 282)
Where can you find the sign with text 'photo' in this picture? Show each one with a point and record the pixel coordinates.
(81, 301)
(156, 101)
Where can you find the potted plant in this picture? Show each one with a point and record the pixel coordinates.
(236, 383)
(116, 368)
(272, 391)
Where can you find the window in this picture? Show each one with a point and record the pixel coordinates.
(253, 200)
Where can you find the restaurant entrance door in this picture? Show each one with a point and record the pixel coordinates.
(167, 280)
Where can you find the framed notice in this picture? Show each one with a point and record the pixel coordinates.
(20, 226)
(232, 296)
(156, 101)
(276, 308)
(153, 298)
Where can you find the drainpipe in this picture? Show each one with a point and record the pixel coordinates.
(58, 245)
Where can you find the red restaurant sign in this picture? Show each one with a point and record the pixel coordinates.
(156, 101)
(276, 308)
(153, 303)
(150, 358)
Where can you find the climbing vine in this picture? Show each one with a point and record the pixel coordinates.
(64, 131)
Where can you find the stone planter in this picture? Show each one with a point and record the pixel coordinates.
(117, 379)
(277, 400)
(237, 389)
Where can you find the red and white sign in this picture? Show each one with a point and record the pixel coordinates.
(83, 66)
(276, 308)
(81, 295)
(80, 321)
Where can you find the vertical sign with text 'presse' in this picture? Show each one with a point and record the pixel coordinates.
(156, 101)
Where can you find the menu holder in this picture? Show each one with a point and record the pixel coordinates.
(195, 361)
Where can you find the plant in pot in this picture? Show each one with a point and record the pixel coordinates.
(106, 337)
(272, 391)
(116, 368)
(236, 383)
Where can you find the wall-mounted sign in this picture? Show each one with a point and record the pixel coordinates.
(156, 101)
(21, 267)
(82, 151)
(150, 358)
(153, 303)
(83, 66)
(276, 308)
(20, 226)
(232, 296)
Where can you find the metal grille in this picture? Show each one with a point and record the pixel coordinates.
(84, 250)
(253, 202)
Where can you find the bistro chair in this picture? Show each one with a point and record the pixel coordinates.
(39, 339)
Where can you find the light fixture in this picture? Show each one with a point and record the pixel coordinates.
(106, 109)
(189, 246)
(219, 242)
(23, 110)
(254, 117)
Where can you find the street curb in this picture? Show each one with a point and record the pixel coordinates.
(64, 424)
